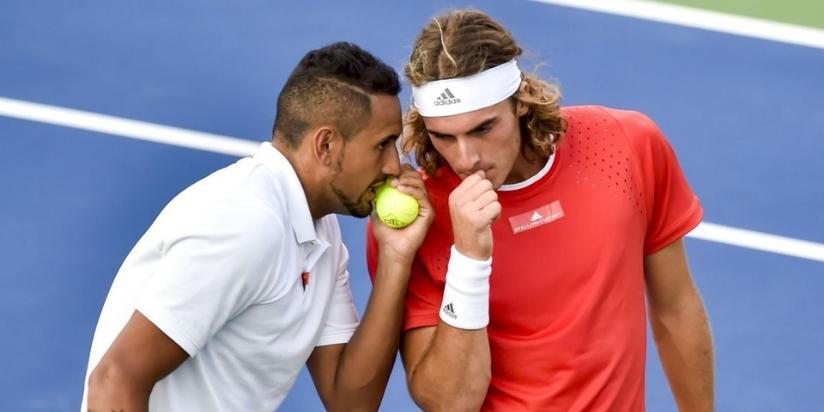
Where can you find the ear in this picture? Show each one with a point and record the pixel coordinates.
(521, 108)
(325, 143)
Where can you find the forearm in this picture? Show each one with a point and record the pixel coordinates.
(454, 373)
(366, 361)
(110, 390)
(684, 343)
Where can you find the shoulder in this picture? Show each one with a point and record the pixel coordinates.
(633, 122)
(238, 222)
(635, 127)
(630, 119)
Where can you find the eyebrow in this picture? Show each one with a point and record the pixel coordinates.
(387, 138)
(479, 126)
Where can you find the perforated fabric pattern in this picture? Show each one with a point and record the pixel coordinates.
(600, 157)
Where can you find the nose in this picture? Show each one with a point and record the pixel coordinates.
(468, 156)
(391, 162)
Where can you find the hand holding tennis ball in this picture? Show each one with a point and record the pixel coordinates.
(395, 209)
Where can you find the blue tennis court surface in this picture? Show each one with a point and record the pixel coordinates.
(746, 117)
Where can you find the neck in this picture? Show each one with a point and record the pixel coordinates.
(308, 180)
(525, 167)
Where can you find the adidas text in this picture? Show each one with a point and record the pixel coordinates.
(447, 101)
(446, 98)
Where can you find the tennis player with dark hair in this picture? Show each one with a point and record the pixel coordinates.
(557, 233)
(242, 279)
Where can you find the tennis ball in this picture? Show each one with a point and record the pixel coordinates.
(395, 209)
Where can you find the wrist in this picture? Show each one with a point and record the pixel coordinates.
(393, 258)
(465, 303)
(471, 248)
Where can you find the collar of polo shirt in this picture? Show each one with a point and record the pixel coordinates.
(301, 217)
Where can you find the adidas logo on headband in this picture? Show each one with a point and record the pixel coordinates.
(491, 86)
(446, 97)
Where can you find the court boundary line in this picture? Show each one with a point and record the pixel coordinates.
(151, 132)
(702, 19)
(118, 126)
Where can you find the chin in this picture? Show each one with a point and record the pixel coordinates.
(361, 209)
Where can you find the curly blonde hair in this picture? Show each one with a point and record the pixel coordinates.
(466, 42)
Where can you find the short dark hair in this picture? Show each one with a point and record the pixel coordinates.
(332, 84)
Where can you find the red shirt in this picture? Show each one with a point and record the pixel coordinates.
(567, 324)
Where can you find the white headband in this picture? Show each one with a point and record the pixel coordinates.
(465, 94)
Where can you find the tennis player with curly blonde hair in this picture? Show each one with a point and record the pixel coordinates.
(557, 234)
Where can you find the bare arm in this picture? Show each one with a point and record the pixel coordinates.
(139, 357)
(448, 369)
(681, 328)
(448, 366)
(353, 376)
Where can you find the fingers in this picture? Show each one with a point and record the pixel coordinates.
(413, 180)
(478, 190)
(419, 193)
(491, 211)
(470, 182)
(485, 199)
(483, 210)
(408, 177)
(411, 183)
(474, 193)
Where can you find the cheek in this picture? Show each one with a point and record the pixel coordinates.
(445, 150)
(370, 164)
(514, 148)
(366, 160)
(509, 142)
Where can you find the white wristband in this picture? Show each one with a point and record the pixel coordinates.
(465, 302)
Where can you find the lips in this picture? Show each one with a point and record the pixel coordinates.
(372, 190)
(374, 186)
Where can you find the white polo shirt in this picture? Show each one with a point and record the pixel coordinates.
(220, 272)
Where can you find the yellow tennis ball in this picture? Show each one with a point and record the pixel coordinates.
(395, 209)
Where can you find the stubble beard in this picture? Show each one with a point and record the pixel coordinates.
(357, 208)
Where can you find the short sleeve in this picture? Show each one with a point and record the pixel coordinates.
(342, 318)
(423, 293)
(673, 209)
(214, 265)
(423, 299)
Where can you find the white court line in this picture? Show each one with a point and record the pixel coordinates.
(134, 129)
(702, 19)
(239, 147)
(759, 241)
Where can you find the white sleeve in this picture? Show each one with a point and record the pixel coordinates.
(212, 268)
(342, 318)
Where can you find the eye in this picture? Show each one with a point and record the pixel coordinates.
(482, 130)
(385, 143)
